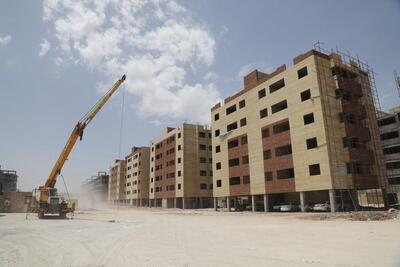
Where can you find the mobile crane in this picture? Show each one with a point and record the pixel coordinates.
(45, 199)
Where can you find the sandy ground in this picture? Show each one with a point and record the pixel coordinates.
(153, 237)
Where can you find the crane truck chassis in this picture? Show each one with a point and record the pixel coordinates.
(45, 199)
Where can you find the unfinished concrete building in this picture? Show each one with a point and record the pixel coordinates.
(389, 126)
(180, 168)
(8, 180)
(137, 176)
(95, 189)
(116, 182)
(301, 135)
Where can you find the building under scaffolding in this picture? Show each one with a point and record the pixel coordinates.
(8, 180)
(95, 189)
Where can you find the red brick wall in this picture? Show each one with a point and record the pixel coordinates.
(240, 170)
(167, 144)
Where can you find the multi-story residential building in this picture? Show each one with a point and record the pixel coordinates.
(137, 176)
(8, 180)
(95, 189)
(116, 182)
(304, 135)
(180, 168)
(389, 126)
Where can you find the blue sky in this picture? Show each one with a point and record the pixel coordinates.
(56, 59)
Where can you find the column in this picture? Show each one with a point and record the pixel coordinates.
(266, 203)
(183, 203)
(175, 203)
(215, 203)
(332, 199)
(302, 201)
(228, 203)
(235, 203)
(253, 203)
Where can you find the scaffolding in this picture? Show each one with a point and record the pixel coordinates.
(355, 65)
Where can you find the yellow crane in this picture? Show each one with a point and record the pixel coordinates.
(45, 199)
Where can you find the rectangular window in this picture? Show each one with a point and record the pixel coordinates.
(243, 122)
(179, 173)
(233, 143)
(202, 134)
(179, 186)
(279, 106)
(282, 127)
(245, 159)
(391, 150)
(265, 132)
(394, 180)
(179, 147)
(203, 186)
(277, 85)
(302, 72)
(217, 133)
(234, 162)
(305, 95)
(231, 126)
(312, 143)
(242, 104)
(246, 179)
(234, 180)
(203, 173)
(268, 176)
(308, 118)
(231, 109)
(267, 154)
(179, 160)
(285, 174)
(390, 135)
(263, 113)
(314, 169)
(217, 149)
(218, 165)
(219, 183)
(283, 150)
(202, 147)
(243, 140)
(387, 121)
(202, 160)
(393, 165)
(261, 93)
(216, 117)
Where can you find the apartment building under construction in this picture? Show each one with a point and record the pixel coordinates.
(137, 176)
(303, 135)
(116, 182)
(180, 168)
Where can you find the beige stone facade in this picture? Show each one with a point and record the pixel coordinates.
(137, 176)
(304, 134)
(116, 182)
(181, 168)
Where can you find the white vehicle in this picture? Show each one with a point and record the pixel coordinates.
(289, 207)
(322, 207)
(277, 207)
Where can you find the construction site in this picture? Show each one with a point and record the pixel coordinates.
(162, 162)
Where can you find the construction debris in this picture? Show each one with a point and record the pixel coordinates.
(356, 216)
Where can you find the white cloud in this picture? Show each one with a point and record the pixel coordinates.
(5, 40)
(154, 42)
(211, 76)
(44, 47)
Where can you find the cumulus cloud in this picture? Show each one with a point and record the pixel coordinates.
(44, 47)
(154, 42)
(5, 40)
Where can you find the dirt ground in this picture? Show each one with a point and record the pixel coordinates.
(155, 237)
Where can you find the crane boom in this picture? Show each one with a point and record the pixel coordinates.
(78, 133)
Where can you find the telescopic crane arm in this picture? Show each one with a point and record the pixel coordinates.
(78, 133)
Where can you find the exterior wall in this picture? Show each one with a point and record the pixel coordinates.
(177, 154)
(15, 201)
(326, 107)
(389, 123)
(116, 185)
(137, 175)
